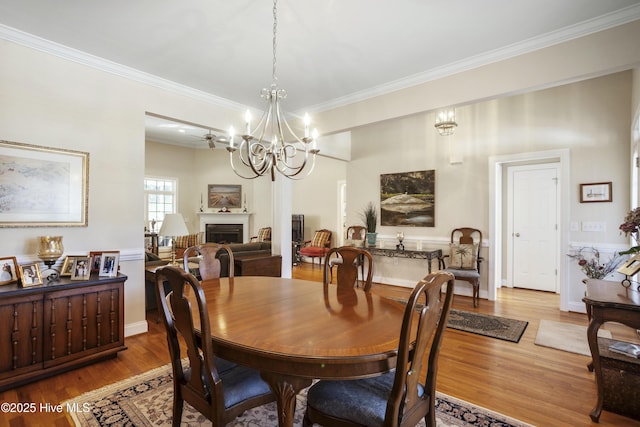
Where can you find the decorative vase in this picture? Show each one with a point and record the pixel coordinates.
(371, 239)
(50, 249)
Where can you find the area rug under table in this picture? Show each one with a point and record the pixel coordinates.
(146, 400)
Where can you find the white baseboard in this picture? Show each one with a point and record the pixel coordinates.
(135, 328)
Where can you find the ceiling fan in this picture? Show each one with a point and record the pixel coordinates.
(212, 138)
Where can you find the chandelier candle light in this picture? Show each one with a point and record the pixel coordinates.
(271, 145)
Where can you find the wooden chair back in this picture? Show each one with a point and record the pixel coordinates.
(403, 397)
(199, 383)
(349, 259)
(467, 266)
(467, 235)
(204, 389)
(356, 232)
(405, 404)
(208, 259)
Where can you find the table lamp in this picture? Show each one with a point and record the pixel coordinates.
(173, 225)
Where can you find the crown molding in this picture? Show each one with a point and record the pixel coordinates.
(620, 17)
(29, 40)
(604, 22)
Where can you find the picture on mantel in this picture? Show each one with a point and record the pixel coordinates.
(225, 196)
(408, 199)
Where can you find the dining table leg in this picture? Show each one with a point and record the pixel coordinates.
(286, 388)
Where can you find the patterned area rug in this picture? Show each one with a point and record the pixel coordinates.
(484, 324)
(146, 400)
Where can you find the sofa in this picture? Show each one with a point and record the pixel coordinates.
(251, 259)
(241, 251)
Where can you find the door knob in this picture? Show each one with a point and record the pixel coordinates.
(517, 234)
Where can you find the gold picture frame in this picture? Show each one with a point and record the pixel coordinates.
(9, 272)
(81, 268)
(30, 275)
(67, 265)
(43, 187)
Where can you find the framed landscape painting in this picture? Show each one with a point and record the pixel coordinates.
(225, 196)
(408, 199)
(42, 187)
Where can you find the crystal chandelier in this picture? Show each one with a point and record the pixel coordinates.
(446, 122)
(271, 145)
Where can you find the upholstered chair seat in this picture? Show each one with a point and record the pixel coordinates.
(343, 399)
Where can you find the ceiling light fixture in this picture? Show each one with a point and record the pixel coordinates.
(446, 122)
(272, 146)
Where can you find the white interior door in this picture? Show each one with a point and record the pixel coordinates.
(532, 236)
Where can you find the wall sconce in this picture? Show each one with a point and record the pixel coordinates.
(446, 122)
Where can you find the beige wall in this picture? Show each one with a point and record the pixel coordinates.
(590, 118)
(50, 101)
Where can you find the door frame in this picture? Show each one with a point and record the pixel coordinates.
(510, 169)
(497, 199)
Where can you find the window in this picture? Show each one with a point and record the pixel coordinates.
(160, 199)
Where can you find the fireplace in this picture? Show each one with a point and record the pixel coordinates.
(224, 233)
(228, 218)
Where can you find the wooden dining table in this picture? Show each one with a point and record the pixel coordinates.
(294, 331)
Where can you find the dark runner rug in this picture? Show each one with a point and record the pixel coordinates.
(490, 326)
(146, 400)
(484, 324)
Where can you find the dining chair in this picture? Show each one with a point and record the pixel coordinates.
(406, 394)
(207, 256)
(347, 259)
(464, 258)
(318, 246)
(218, 389)
(357, 235)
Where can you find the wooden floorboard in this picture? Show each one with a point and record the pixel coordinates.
(542, 386)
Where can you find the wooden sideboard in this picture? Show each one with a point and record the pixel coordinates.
(58, 326)
(617, 377)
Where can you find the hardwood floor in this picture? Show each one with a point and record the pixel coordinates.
(541, 386)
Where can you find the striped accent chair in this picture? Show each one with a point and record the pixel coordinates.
(318, 246)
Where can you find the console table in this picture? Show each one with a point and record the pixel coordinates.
(59, 326)
(617, 376)
(429, 255)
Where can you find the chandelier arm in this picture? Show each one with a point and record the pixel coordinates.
(236, 171)
(295, 176)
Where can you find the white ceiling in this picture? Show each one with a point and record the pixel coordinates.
(329, 52)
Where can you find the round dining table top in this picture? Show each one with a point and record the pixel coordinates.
(302, 328)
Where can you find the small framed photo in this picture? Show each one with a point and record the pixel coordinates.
(109, 264)
(67, 265)
(30, 275)
(595, 192)
(96, 257)
(9, 272)
(81, 268)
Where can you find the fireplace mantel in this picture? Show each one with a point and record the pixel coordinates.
(226, 218)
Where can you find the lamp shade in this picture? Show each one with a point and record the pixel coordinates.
(173, 225)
